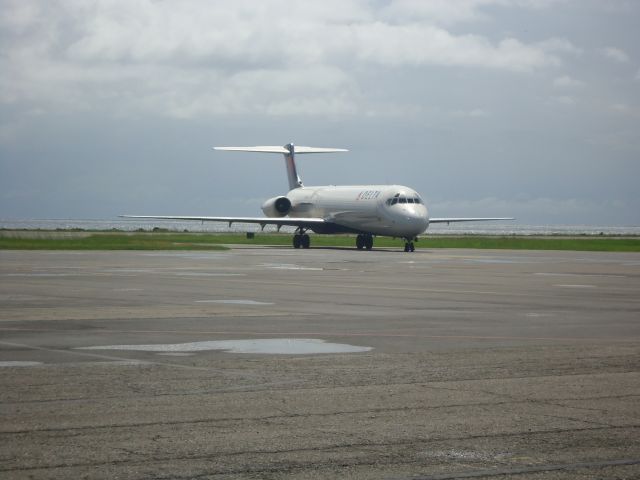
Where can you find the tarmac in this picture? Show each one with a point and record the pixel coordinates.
(321, 363)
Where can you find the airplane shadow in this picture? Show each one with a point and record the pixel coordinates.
(343, 249)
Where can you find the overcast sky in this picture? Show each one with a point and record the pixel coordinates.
(528, 108)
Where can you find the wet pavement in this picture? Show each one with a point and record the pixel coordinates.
(320, 363)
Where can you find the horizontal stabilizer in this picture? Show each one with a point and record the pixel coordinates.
(289, 151)
(319, 150)
(282, 150)
(263, 149)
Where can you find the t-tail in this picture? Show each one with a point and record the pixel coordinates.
(289, 151)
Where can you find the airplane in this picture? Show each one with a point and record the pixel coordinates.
(365, 210)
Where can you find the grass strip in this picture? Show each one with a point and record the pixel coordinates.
(206, 241)
(108, 241)
(591, 244)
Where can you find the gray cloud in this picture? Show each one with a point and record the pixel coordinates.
(111, 106)
(163, 58)
(566, 81)
(615, 54)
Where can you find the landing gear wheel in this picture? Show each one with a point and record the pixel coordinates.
(305, 241)
(297, 241)
(360, 242)
(368, 242)
(409, 247)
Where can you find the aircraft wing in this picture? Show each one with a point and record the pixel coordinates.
(262, 221)
(453, 220)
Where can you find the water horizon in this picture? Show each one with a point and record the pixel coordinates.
(132, 225)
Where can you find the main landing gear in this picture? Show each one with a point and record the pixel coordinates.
(409, 246)
(364, 240)
(301, 239)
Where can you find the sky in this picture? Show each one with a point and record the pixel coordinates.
(525, 108)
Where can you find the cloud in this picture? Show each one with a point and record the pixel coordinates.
(625, 139)
(564, 100)
(625, 109)
(541, 211)
(447, 12)
(615, 54)
(315, 90)
(196, 57)
(419, 45)
(436, 11)
(475, 113)
(559, 45)
(567, 82)
(220, 38)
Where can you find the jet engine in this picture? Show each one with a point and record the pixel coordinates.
(276, 207)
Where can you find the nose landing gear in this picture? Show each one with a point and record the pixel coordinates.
(364, 241)
(409, 246)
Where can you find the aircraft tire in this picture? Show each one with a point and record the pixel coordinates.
(305, 241)
(368, 242)
(406, 246)
(360, 242)
(412, 247)
(297, 241)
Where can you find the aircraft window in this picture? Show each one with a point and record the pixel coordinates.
(416, 200)
(395, 200)
(409, 200)
(403, 200)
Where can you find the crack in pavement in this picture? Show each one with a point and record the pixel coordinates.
(334, 447)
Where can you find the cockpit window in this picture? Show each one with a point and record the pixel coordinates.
(401, 198)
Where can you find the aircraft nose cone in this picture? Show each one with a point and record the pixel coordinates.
(416, 218)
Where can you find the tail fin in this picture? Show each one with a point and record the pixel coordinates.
(289, 151)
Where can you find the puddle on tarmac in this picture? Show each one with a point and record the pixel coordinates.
(273, 346)
(19, 364)
(235, 302)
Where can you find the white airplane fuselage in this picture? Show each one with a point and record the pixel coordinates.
(374, 209)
